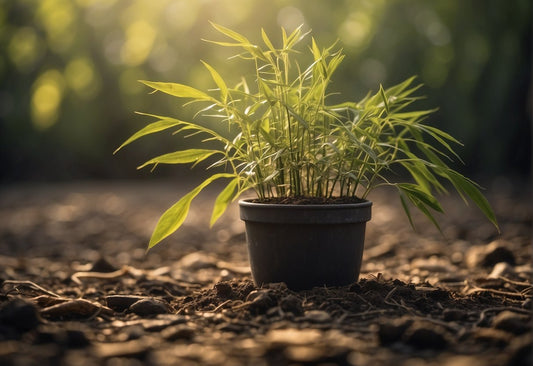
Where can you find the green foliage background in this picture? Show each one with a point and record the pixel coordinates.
(68, 71)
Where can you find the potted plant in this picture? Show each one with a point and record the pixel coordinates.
(311, 163)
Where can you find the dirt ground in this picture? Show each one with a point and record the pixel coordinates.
(78, 288)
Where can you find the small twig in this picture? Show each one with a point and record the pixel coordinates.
(392, 302)
(221, 305)
(483, 314)
(242, 305)
(100, 275)
(497, 292)
(31, 284)
(516, 283)
(364, 300)
(391, 292)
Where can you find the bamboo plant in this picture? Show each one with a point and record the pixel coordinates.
(292, 142)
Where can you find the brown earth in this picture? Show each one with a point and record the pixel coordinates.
(77, 287)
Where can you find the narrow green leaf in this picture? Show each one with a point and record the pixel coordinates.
(231, 34)
(174, 217)
(267, 41)
(414, 114)
(468, 187)
(406, 209)
(296, 116)
(418, 199)
(295, 36)
(267, 91)
(219, 81)
(163, 124)
(384, 97)
(178, 90)
(181, 157)
(315, 50)
(223, 200)
(397, 89)
(418, 192)
(442, 133)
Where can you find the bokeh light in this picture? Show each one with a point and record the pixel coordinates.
(46, 99)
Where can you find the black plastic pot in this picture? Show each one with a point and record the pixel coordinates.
(305, 245)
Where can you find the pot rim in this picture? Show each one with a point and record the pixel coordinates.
(313, 214)
(314, 206)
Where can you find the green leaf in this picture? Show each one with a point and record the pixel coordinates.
(231, 34)
(384, 97)
(174, 217)
(297, 117)
(414, 114)
(420, 199)
(163, 124)
(178, 90)
(219, 81)
(413, 190)
(223, 200)
(468, 187)
(181, 157)
(317, 55)
(267, 41)
(397, 89)
(406, 209)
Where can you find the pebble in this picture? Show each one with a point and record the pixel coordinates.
(392, 331)
(102, 265)
(317, 316)
(501, 269)
(19, 314)
(425, 335)
(521, 352)
(511, 322)
(433, 265)
(291, 304)
(454, 315)
(490, 254)
(122, 302)
(133, 332)
(148, 306)
(223, 290)
(136, 348)
(75, 338)
(178, 332)
(305, 354)
(262, 301)
(293, 337)
(495, 337)
(152, 325)
(197, 260)
(78, 308)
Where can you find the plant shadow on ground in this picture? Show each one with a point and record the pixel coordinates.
(77, 287)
